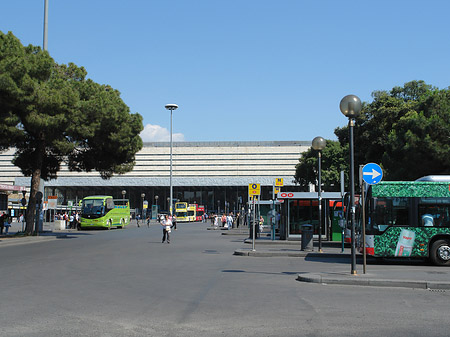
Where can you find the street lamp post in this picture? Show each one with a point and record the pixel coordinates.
(156, 202)
(351, 107)
(319, 144)
(171, 107)
(142, 211)
(45, 43)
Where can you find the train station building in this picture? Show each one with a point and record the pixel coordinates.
(213, 174)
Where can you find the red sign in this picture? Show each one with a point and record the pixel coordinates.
(286, 195)
(4, 187)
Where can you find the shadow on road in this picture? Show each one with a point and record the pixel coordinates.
(370, 260)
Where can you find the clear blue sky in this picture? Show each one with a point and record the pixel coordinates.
(242, 69)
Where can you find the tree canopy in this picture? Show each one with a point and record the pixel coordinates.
(334, 160)
(406, 130)
(52, 114)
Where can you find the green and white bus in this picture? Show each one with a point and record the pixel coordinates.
(409, 219)
(104, 211)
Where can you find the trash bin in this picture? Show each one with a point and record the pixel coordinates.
(307, 238)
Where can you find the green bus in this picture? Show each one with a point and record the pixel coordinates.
(409, 219)
(104, 211)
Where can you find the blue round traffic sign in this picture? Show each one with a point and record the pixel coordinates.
(372, 173)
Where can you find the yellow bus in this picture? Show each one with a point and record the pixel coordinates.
(192, 212)
(181, 211)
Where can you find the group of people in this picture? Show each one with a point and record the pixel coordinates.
(227, 221)
(232, 221)
(138, 221)
(72, 219)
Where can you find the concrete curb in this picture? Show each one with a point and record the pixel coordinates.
(297, 253)
(359, 280)
(242, 252)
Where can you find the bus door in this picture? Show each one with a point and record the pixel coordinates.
(337, 221)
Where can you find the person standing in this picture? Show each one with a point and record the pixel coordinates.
(2, 222)
(166, 225)
(148, 221)
(261, 224)
(216, 220)
(230, 220)
(224, 220)
(71, 220)
(7, 224)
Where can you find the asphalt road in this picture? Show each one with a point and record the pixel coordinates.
(127, 283)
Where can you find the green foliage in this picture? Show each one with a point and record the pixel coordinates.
(334, 160)
(405, 130)
(52, 114)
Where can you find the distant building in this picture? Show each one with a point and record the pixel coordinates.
(214, 174)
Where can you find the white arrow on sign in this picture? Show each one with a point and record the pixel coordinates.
(374, 174)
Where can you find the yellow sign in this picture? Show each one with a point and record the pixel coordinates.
(279, 182)
(277, 190)
(254, 189)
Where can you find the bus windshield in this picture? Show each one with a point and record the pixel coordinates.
(93, 207)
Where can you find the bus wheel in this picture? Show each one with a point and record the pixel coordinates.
(440, 253)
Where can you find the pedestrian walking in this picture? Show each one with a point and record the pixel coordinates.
(138, 218)
(166, 225)
(238, 217)
(148, 222)
(174, 222)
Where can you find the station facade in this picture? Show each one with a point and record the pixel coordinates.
(213, 174)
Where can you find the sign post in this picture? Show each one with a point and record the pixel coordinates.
(371, 174)
(254, 190)
(277, 184)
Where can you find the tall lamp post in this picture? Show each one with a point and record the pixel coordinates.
(142, 211)
(45, 43)
(156, 202)
(319, 144)
(351, 107)
(171, 107)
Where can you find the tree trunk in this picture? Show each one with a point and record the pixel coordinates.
(35, 182)
(31, 209)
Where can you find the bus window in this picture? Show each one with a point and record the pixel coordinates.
(387, 212)
(434, 212)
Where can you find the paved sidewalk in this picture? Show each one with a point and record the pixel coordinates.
(15, 236)
(409, 273)
(11, 239)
